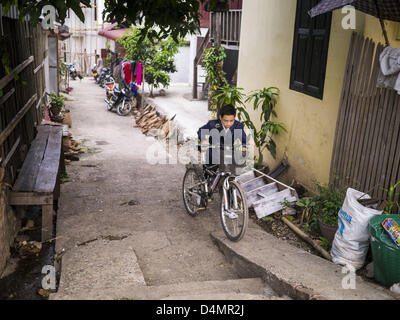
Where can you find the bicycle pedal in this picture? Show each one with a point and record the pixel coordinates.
(201, 209)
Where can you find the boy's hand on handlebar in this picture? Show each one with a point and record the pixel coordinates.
(205, 145)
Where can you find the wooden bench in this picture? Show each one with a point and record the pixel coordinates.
(38, 182)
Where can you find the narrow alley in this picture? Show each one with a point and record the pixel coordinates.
(120, 217)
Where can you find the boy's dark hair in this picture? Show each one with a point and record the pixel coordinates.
(227, 110)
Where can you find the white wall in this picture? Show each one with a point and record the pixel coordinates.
(193, 52)
(182, 61)
(89, 39)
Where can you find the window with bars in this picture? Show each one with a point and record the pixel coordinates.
(310, 50)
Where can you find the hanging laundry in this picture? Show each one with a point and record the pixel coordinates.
(389, 73)
(139, 74)
(127, 73)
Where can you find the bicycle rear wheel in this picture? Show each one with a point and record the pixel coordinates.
(192, 188)
(235, 219)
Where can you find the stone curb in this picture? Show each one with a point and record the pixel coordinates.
(281, 280)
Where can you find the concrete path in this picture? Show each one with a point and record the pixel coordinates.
(189, 115)
(123, 233)
(121, 222)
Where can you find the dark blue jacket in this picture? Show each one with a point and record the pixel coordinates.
(217, 124)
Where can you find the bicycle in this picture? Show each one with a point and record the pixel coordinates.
(199, 185)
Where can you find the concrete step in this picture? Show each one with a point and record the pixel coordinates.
(209, 289)
(236, 289)
(292, 271)
(220, 296)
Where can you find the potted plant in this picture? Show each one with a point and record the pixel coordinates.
(327, 205)
(56, 105)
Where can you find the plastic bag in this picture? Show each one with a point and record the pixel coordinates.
(351, 242)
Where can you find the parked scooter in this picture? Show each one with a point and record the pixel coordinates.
(121, 100)
(104, 73)
(110, 87)
(72, 71)
(95, 74)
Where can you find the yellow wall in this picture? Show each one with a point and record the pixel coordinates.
(265, 60)
(373, 30)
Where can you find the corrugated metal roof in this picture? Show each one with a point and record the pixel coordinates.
(111, 34)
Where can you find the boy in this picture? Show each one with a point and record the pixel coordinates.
(226, 131)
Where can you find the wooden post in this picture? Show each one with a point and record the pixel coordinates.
(218, 29)
(195, 79)
(47, 222)
(143, 73)
(306, 238)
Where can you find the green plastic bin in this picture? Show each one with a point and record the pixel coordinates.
(385, 254)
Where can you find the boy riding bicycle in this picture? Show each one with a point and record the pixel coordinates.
(224, 132)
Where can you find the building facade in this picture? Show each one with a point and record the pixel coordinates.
(274, 52)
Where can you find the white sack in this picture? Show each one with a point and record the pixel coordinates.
(351, 242)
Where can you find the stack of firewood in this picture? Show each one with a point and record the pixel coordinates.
(71, 149)
(153, 123)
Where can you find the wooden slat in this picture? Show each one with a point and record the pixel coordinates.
(366, 151)
(349, 116)
(29, 198)
(26, 179)
(6, 96)
(342, 109)
(377, 141)
(356, 142)
(371, 127)
(11, 153)
(38, 68)
(395, 148)
(365, 146)
(49, 167)
(7, 131)
(6, 79)
(385, 147)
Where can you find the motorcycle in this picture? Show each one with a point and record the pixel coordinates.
(121, 99)
(109, 88)
(72, 71)
(104, 73)
(95, 74)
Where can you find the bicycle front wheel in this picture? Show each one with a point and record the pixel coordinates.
(234, 212)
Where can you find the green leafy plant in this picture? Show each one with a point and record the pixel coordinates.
(286, 204)
(62, 67)
(56, 103)
(213, 60)
(266, 99)
(307, 205)
(268, 219)
(156, 56)
(328, 202)
(391, 199)
(290, 218)
(325, 243)
(64, 175)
